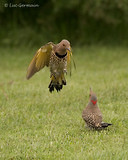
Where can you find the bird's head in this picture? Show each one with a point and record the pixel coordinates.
(62, 47)
(92, 97)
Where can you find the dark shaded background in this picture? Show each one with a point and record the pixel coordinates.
(83, 22)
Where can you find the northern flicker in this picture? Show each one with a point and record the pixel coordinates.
(92, 114)
(55, 56)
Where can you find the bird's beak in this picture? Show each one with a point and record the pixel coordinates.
(68, 49)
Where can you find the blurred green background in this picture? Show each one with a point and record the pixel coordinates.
(83, 22)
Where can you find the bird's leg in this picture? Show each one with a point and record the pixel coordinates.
(63, 79)
(65, 70)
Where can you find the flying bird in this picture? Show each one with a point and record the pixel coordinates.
(92, 114)
(55, 56)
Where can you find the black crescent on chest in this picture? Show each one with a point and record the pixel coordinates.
(60, 56)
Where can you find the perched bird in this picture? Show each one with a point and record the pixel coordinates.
(55, 56)
(92, 114)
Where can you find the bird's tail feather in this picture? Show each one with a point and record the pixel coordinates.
(57, 83)
(104, 125)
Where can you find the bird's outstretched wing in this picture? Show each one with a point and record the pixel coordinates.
(40, 59)
(69, 59)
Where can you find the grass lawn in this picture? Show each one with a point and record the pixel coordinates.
(35, 124)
